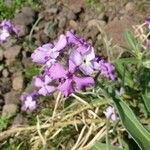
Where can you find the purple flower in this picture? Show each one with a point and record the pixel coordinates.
(6, 24)
(148, 22)
(110, 113)
(68, 81)
(41, 54)
(29, 101)
(83, 61)
(6, 29)
(48, 53)
(106, 69)
(43, 84)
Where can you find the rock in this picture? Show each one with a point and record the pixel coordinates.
(74, 5)
(19, 120)
(17, 82)
(25, 17)
(50, 29)
(22, 30)
(9, 110)
(5, 73)
(53, 10)
(1, 54)
(95, 22)
(130, 6)
(73, 24)
(12, 97)
(62, 22)
(5, 85)
(44, 38)
(71, 15)
(27, 11)
(12, 52)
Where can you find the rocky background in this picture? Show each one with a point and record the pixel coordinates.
(39, 26)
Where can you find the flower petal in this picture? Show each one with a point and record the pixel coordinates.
(83, 82)
(38, 82)
(86, 69)
(57, 71)
(66, 88)
(43, 91)
(47, 79)
(50, 89)
(75, 57)
(62, 42)
(72, 67)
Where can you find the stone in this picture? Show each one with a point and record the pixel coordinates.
(19, 120)
(1, 54)
(130, 6)
(25, 17)
(5, 85)
(74, 5)
(9, 110)
(17, 81)
(28, 11)
(73, 24)
(22, 30)
(12, 97)
(5, 73)
(62, 22)
(12, 52)
(71, 15)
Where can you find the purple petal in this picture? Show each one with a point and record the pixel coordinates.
(75, 57)
(71, 37)
(83, 82)
(87, 69)
(72, 67)
(43, 91)
(50, 89)
(4, 34)
(39, 57)
(90, 55)
(47, 79)
(66, 88)
(38, 82)
(57, 71)
(62, 42)
(83, 48)
(50, 62)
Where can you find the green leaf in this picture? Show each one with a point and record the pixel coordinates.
(132, 41)
(102, 146)
(132, 125)
(123, 72)
(146, 99)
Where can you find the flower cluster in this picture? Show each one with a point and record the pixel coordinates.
(7, 29)
(67, 66)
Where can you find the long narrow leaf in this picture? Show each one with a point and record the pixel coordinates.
(132, 125)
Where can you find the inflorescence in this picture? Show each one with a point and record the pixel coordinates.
(68, 65)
